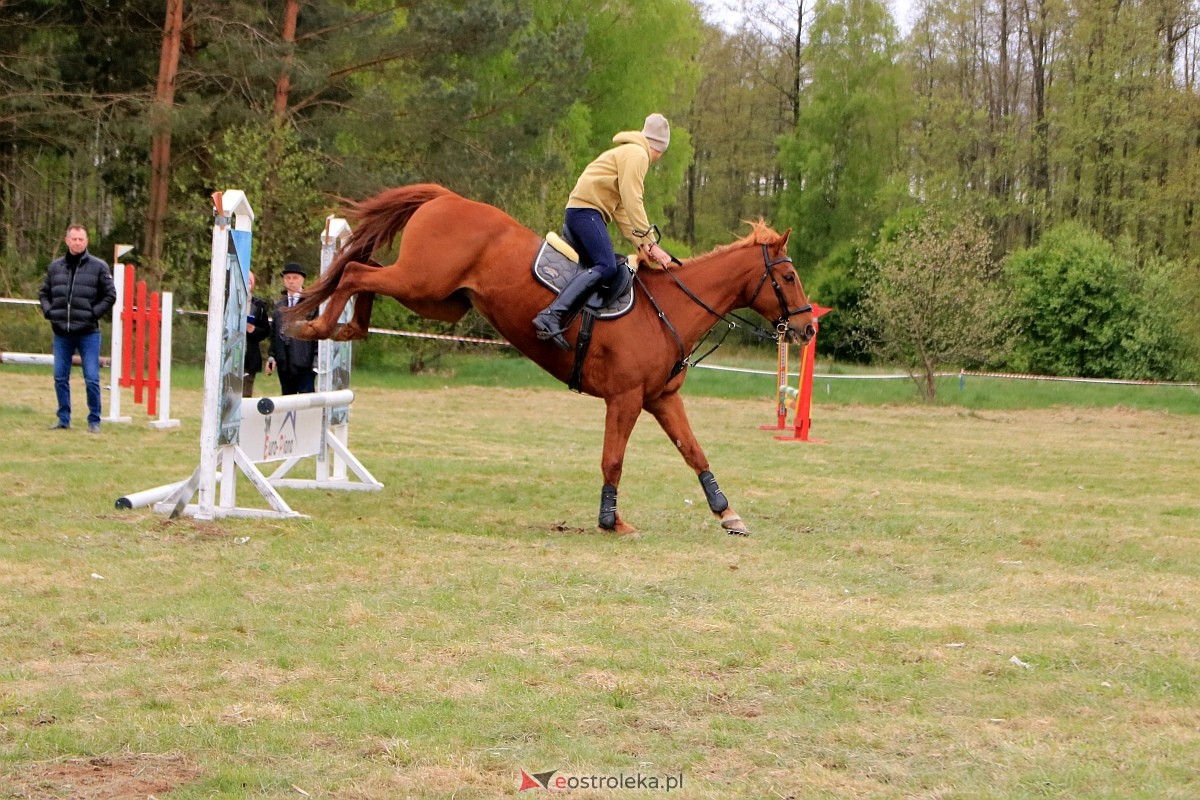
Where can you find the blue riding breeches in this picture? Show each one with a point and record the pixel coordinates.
(591, 234)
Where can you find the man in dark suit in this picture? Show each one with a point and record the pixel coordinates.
(294, 359)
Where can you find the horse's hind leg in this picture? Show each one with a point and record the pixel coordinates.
(359, 280)
(669, 411)
(325, 325)
(360, 322)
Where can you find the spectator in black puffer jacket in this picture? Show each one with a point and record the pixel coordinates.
(77, 292)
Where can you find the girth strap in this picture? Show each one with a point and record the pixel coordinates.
(587, 320)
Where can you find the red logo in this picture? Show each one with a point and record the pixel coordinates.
(538, 780)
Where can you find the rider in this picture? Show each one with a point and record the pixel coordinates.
(610, 188)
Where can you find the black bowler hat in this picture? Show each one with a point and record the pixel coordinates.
(296, 268)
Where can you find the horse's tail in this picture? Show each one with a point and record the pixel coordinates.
(378, 221)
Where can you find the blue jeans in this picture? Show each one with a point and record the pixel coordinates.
(65, 347)
(590, 232)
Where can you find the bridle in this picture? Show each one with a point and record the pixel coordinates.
(780, 323)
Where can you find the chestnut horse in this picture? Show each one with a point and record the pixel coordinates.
(457, 253)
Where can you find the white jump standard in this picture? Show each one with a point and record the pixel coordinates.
(237, 433)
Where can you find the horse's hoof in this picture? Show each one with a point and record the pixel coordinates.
(622, 529)
(625, 529)
(347, 333)
(618, 527)
(301, 330)
(734, 526)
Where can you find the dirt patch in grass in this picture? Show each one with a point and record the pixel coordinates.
(125, 777)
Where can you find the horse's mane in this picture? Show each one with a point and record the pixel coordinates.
(760, 234)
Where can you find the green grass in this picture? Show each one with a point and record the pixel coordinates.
(434, 639)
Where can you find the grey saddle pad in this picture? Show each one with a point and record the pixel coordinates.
(554, 271)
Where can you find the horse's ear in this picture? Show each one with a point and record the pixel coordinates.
(783, 239)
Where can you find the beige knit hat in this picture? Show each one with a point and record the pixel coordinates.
(657, 132)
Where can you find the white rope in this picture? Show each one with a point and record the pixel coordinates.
(816, 375)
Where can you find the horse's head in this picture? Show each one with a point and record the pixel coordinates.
(787, 306)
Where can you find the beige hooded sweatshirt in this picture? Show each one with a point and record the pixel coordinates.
(613, 185)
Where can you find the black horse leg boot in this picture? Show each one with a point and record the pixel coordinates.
(551, 320)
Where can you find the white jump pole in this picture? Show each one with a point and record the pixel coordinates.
(40, 359)
(331, 357)
(118, 340)
(148, 497)
(167, 303)
(296, 402)
(35, 359)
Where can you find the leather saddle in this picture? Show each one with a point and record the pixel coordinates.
(557, 262)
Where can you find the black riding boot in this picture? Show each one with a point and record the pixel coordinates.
(551, 320)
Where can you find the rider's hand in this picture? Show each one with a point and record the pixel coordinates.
(660, 255)
(652, 252)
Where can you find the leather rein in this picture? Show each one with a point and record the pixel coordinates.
(781, 322)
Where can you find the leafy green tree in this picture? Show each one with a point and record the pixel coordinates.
(1162, 343)
(738, 116)
(72, 91)
(1089, 309)
(841, 161)
(288, 217)
(1074, 305)
(935, 299)
(642, 57)
(839, 286)
(968, 139)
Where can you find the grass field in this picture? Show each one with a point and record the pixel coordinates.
(937, 602)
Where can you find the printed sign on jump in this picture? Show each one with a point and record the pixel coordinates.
(277, 437)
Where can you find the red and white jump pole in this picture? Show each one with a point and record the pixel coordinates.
(808, 356)
(781, 380)
(141, 346)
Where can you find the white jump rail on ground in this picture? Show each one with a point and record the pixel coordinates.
(39, 359)
(238, 433)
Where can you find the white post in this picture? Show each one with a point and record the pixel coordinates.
(330, 465)
(210, 418)
(164, 365)
(118, 343)
(230, 207)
